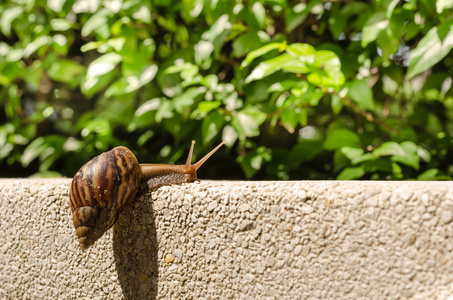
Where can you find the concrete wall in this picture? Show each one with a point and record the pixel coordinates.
(234, 240)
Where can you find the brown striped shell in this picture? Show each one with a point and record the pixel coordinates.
(100, 190)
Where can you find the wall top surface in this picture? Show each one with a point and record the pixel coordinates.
(234, 240)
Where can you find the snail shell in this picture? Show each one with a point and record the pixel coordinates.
(100, 190)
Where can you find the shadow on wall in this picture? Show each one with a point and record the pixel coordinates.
(135, 250)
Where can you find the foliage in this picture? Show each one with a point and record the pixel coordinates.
(298, 90)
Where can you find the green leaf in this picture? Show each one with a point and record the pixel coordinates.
(253, 160)
(351, 153)
(366, 157)
(145, 115)
(247, 42)
(11, 54)
(165, 111)
(220, 26)
(405, 153)
(389, 40)
(103, 65)
(245, 125)
(390, 5)
(336, 104)
(33, 150)
(150, 105)
(60, 24)
(351, 173)
(340, 161)
(290, 119)
(410, 157)
(380, 164)
(204, 107)
(295, 66)
(356, 155)
(203, 54)
(443, 4)
(337, 25)
(424, 154)
(5, 150)
(361, 93)
(129, 84)
(188, 97)
(328, 60)
(342, 137)
(260, 13)
(258, 115)
(211, 126)
(99, 67)
(389, 148)
(145, 137)
(268, 67)
(229, 135)
(143, 14)
(92, 45)
(170, 78)
(306, 52)
(305, 150)
(36, 44)
(98, 126)
(11, 71)
(210, 81)
(304, 56)
(375, 24)
(260, 52)
(96, 21)
(46, 174)
(411, 31)
(298, 13)
(397, 172)
(355, 9)
(95, 84)
(7, 18)
(65, 70)
(45, 148)
(432, 174)
(256, 92)
(392, 80)
(433, 47)
(56, 5)
(285, 85)
(326, 71)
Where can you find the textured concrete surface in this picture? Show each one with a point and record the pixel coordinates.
(234, 240)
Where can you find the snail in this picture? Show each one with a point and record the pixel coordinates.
(108, 183)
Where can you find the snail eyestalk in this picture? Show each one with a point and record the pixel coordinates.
(205, 158)
(189, 157)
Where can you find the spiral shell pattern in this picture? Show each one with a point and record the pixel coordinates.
(100, 190)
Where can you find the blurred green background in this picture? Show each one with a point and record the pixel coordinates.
(297, 89)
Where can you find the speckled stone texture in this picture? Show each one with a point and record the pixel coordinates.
(234, 240)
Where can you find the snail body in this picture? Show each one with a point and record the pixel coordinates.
(108, 183)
